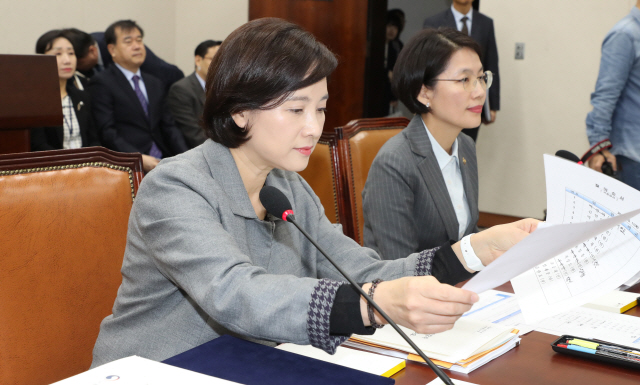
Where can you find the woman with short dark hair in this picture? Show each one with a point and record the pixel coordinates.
(422, 188)
(78, 129)
(203, 256)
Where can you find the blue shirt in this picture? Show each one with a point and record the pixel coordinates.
(450, 168)
(129, 75)
(616, 100)
(458, 16)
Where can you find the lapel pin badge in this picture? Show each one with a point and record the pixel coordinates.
(464, 161)
(80, 105)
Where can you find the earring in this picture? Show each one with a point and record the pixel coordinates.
(428, 104)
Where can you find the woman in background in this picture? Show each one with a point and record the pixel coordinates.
(78, 129)
(422, 188)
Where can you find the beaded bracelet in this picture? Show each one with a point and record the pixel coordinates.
(372, 317)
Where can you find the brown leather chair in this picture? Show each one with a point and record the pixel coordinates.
(358, 144)
(63, 216)
(323, 175)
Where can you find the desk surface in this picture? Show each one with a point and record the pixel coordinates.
(533, 362)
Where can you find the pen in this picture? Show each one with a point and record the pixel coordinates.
(619, 356)
(600, 346)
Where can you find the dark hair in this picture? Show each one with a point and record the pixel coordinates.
(45, 41)
(425, 57)
(256, 68)
(80, 40)
(203, 48)
(398, 15)
(124, 25)
(395, 20)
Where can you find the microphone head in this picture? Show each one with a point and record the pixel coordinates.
(276, 203)
(568, 155)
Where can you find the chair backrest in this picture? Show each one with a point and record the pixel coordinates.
(358, 143)
(323, 175)
(63, 216)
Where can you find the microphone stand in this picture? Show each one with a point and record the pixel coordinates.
(436, 369)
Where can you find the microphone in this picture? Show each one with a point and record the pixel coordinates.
(279, 206)
(564, 154)
(606, 167)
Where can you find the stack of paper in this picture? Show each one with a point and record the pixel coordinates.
(136, 370)
(355, 359)
(614, 302)
(469, 345)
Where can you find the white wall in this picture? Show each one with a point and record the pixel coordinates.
(544, 98)
(173, 28)
(199, 20)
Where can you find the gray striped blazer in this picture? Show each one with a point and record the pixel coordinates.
(406, 204)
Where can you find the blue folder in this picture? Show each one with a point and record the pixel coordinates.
(250, 363)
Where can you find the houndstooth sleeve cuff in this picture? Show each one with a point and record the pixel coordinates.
(318, 316)
(424, 263)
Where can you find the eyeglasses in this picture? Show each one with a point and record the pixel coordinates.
(485, 81)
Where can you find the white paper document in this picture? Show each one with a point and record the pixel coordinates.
(354, 359)
(594, 324)
(467, 338)
(605, 257)
(541, 245)
(136, 370)
(501, 308)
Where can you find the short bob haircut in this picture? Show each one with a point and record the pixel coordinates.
(45, 41)
(423, 59)
(256, 68)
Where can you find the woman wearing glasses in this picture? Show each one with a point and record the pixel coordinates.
(422, 188)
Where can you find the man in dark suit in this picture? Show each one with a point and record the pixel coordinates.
(128, 104)
(167, 73)
(480, 27)
(186, 96)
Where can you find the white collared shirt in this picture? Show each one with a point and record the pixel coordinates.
(129, 75)
(202, 82)
(450, 167)
(71, 137)
(458, 16)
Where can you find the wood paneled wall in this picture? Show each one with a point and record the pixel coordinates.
(342, 26)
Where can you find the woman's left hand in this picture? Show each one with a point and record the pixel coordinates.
(495, 241)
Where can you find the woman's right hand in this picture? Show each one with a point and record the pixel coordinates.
(421, 304)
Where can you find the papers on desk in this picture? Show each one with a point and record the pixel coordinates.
(384, 366)
(499, 307)
(595, 266)
(594, 324)
(470, 344)
(136, 370)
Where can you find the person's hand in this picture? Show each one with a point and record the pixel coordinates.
(420, 303)
(495, 241)
(149, 162)
(597, 160)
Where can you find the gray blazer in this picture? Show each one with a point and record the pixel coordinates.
(405, 199)
(199, 263)
(186, 102)
(483, 33)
